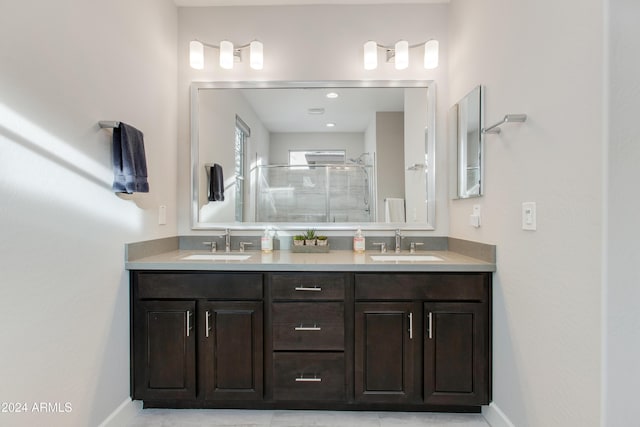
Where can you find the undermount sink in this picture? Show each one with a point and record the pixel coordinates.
(405, 258)
(217, 257)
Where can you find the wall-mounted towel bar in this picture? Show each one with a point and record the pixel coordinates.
(509, 118)
(108, 124)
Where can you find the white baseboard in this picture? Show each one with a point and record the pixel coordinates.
(123, 414)
(495, 417)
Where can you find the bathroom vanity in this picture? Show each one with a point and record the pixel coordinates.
(300, 331)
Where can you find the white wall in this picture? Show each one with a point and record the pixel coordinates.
(544, 58)
(415, 128)
(622, 316)
(310, 43)
(64, 304)
(390, 145)
(217, 123)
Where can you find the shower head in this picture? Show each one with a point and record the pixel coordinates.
(358, 160)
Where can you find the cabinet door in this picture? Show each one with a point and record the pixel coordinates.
(232, 343)
(165, 358)
(456, 360)
(387, 353)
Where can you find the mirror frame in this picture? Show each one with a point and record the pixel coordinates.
(196, 87)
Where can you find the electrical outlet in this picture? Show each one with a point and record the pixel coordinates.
(529, 216)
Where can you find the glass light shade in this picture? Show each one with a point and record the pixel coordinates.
(431, 54)
(402, 55)
(196, 55)
(226, 55)
(370, 55)
(256, 55)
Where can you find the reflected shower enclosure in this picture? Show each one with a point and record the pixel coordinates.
(315, 193)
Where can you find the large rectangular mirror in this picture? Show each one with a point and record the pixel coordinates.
(465, 127)
(327, 155)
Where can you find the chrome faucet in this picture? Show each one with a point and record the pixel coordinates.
(213, 245)
(414, 245)
(383, 247)
(398, 240)
(227, 240)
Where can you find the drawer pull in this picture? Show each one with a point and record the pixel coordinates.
(207, 326)
(308, 289)
(303, 379)
(188, 322)
(410, 326)
(315, 327)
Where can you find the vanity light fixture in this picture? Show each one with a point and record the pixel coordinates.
(402, 55)
(399, 54)
(228, 54)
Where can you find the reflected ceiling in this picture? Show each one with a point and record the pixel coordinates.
(309, 110)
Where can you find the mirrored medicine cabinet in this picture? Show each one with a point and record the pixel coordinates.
(466, 145)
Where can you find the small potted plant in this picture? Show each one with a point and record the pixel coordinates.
(310, 238)
(322, 240)
(298, 240)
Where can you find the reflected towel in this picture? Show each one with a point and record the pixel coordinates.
(394, 210)
(129, 160)
(216, 184)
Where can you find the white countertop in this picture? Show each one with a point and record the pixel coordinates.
(336, 260)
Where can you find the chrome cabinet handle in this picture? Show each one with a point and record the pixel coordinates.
(430, 325)
(315, 327)
(410, 326)
(188, 321)
(302, 379)
(207, 326)
(308, 289)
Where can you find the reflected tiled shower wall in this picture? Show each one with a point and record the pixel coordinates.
(320, 193)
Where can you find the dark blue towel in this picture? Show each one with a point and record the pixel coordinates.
(216, 184)
(129, 160)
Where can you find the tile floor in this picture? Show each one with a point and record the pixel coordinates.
(246, 418)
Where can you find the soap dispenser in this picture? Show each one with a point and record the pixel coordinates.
(266, 243)
(358, 242)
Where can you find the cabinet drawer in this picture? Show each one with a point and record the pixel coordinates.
(308, 286)
(237, 286)
(423, 286)
(308, 326)
(308, 376)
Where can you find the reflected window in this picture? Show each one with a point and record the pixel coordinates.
(316, 157)
(242, 134)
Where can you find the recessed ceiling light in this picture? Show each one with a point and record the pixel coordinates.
(331, 125)
(332, 95)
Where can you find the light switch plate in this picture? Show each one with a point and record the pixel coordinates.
(529, 216)
(162, 215)
(474, 218)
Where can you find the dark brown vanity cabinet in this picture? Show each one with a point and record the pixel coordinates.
(387, 351)
(423, 338)
(197, 336)
(232, 350)
(164, 344)
(311, 340)
(456, 354)
(308, 336)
